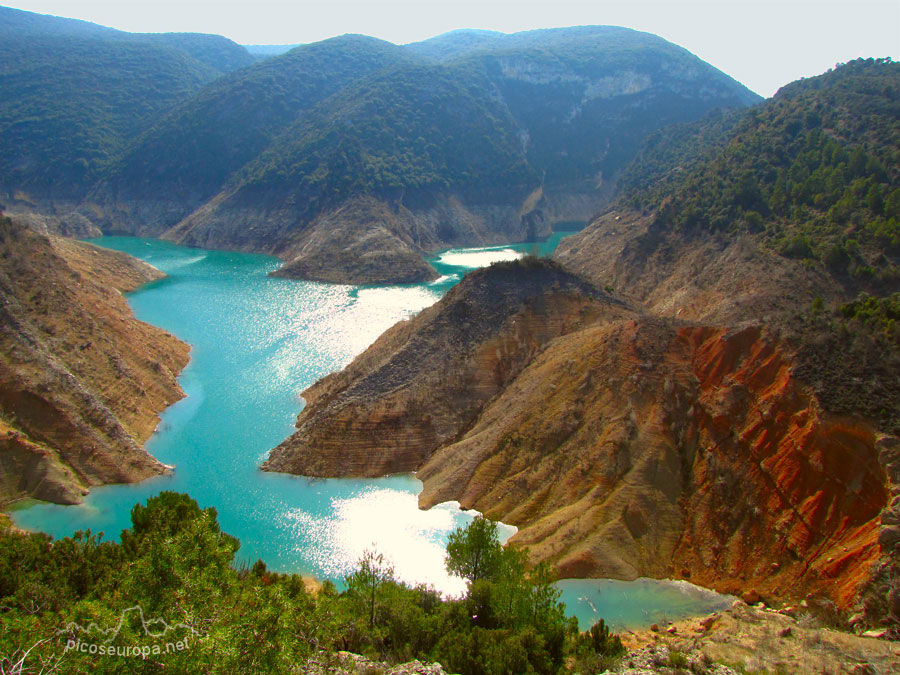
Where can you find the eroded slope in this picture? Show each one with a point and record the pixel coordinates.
(81, 381)
(620, 444)
(424, 381)
(642, 448)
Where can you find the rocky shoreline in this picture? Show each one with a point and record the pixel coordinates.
(82, 382)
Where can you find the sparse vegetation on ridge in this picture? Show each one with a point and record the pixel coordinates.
(813, 172)
(847, 354)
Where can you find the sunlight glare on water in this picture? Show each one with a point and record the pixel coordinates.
(480, 258)
(389, 522)
(256, 343)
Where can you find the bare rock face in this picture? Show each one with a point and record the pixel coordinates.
(425, 380)
(35, 470)
(621, 445)
(702, 279)
(881, 598)
(848, 386)
(364, 240)
(81, 381)
(638, 448)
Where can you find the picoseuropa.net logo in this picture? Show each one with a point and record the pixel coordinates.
(155, 636)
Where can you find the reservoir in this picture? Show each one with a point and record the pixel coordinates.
(256, 343)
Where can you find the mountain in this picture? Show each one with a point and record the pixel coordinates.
(214, 51)
(17, 22)
(394, 150)
(620, 444)
(564, 83)
(183, 162)
(785, 215)
(463, 351)
(383, 154)
(81, 381)
(70, 105)
(803, 190)
(75, 95)
(729, 415)
(352, 159)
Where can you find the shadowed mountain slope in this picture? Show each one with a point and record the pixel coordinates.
(75, 94)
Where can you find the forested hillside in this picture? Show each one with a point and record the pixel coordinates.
(816, 172)
(187, 158)
(215, 51)
(71, 105)
(486, 144)
(76, 94)
(403, 131)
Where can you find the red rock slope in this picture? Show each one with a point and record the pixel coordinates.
(621, 445)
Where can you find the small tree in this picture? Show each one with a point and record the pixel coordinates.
(474, 552)
(603, 642)
(367, 581)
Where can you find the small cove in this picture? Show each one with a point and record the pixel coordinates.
(256, 343)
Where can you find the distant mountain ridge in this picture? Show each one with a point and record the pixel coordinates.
(76, 94)
(217, 52)
(464, 139)
(485, 147)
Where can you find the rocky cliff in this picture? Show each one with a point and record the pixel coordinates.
(81, 381)
(425, 381)
(642, 448)
(620, 444)
(700, 233)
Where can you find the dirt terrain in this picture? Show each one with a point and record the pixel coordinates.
(82, 382)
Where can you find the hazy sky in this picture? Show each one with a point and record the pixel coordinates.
(762, 44)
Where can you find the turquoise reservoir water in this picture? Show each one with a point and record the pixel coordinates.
(256, 343)
(639, 603)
